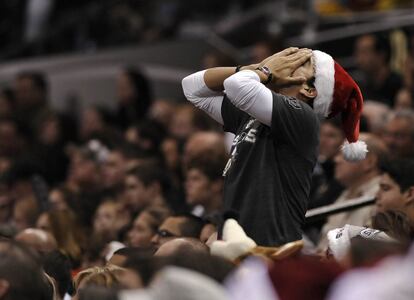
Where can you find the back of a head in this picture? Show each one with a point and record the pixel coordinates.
(396, 224)
(98, 276)
(382, 46)
(203, 142)
(375, 145)
(141, 84)
(202, 262)
(191, 226)
(21, 269)
(365, 252)
(58, 266)
(181, 245)
(210, 166)
(37, 239)
(376, 114)
(97, 292)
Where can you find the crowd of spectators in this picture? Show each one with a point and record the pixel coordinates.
(125, 204)
(32, 27)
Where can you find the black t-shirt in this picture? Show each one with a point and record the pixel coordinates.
(267, 179)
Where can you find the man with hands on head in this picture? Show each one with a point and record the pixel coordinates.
(268, 106)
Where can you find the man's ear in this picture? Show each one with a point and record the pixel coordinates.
(4, 288)
(409, 196)
(307, 91)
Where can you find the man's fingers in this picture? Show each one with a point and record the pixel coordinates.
(299, 60)
(288, 51)
(300, 53)
(295, 80)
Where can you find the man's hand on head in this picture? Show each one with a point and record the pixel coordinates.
(284, 63)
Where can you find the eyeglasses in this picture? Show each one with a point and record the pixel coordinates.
(165, 233)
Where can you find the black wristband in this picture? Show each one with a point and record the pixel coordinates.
(238, 68)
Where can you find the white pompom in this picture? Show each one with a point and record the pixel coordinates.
(354, 151)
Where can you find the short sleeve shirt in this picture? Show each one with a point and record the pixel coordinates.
(268, 177)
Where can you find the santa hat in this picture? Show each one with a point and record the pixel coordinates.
(338, 93)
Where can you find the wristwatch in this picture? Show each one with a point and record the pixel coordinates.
(267, 72)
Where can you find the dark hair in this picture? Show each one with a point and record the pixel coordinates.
(383, 45)
(23, 169)
(127, 150)
(143, 98)
(151, 130)
(133, 251)
(202, 262)
(21, 269)
(335, 122)
(365, 252)
(98, 292)
(145, 265)
(400, 170)
(210, 165)
(192, 225)
(38, 79)
(58, 266)
(149, 174)
(157, 216)
(396, 224)
(8, 95)
(311, 82)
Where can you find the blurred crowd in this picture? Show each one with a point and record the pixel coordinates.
(124, 204)
(40, 27)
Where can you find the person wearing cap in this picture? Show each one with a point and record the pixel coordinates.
(273, 108)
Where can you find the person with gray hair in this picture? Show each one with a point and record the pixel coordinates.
(360, 179)
(376, 114)
(399, 134)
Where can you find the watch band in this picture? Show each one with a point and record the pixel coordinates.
(267, 72)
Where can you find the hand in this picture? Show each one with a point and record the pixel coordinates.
(284, 63)
(285, 52)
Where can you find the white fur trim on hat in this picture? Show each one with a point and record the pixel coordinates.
(324, 82)
(354, 151)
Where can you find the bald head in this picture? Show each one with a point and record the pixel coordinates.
(375, 145)
(37, 239)
(180, 245)
(376, 114)
(204, 142)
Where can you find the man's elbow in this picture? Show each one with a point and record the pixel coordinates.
(232, 85)
(186, 85)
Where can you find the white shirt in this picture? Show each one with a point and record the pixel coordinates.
(243, 89)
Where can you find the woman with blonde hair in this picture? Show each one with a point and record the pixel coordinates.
(108, 277)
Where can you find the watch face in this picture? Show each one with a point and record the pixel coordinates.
(266, 70)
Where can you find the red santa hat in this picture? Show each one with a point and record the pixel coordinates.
(338, 93)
